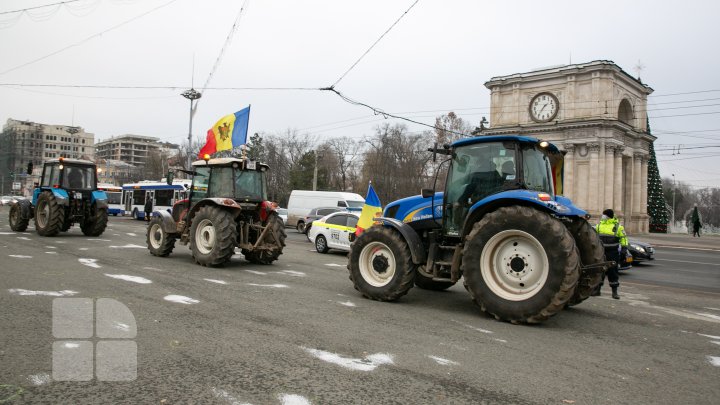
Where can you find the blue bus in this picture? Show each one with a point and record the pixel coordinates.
(163, 196)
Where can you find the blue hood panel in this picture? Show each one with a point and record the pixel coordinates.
(415, 208)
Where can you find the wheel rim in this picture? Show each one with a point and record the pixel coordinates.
(514, 265)
(320, 244)
(156, 236)
(43, 212)
(205, 236)
(377, 264)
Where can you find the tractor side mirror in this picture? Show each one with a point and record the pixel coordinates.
(427, 192)
(170, 177)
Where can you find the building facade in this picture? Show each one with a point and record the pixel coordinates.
(132, 149)
(596, 113)
(23, 142)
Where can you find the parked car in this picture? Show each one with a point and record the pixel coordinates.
(282, 213)
(304, 225)
(640, 251)
(333, 231)
(302, 201)
(5, 200)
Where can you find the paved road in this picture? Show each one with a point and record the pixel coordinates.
(297, 332)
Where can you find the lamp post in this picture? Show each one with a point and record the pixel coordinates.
(673, 206)
(191, 95)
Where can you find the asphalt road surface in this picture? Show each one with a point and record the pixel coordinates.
(296, 332)
(680, 267)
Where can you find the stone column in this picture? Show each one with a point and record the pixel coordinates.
(644, 185)
(637, 165)
(569, 171)
(609, 175)
(593, 188)
(618, 177)
(600, 179)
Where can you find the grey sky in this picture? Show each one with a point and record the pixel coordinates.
(436, 59)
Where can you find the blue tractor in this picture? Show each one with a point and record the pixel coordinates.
(524, 251)
(67, 194)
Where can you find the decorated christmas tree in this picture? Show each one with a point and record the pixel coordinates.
(656, 201)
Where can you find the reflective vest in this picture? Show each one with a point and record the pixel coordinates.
(612, 227)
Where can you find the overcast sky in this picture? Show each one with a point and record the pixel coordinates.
(434, 60)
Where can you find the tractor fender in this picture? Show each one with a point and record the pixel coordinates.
(61, 195)
(26, 209)
(99, 198)
(220, 202)
(417, 249)
(167, 222)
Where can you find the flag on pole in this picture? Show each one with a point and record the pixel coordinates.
(371, 209)
(230, 131)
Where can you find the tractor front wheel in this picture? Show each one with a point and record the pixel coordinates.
(212, 236)
(96, 222)
(520, 264)
(380, 264)
(18, 223)
(159, 242)
(49, 215)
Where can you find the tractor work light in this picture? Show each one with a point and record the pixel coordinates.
(544, 144)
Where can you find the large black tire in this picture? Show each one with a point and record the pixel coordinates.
(212, 236)
(321, 244)
(17, 222)
(159, 242)
(380, 264)
(591, 251)
(427, 283)
(300, 227)
(49, 215)
(520, 264)
(265, 256)
(67, 223)
(95, 224)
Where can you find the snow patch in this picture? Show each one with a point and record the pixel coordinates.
(292, 399)
(23, 238)
(215, 281)
(347, 303)
(98, 240)
(63, 293)
(130, 234)
(51, 253)
(269, 285)
(39, 379)
(291, 273)
(712, 309)
(443, 362)
(134, 279)
(260, 273)
(635, 300)
(90, 263)
(715, 361)
(121, 326)
(83, 248)
(709, 336)
(334, 265)
(180, 299)
(711, 316)
(128, 246)
(474, 328)
(70, 345)
(7, 233)
(715, 342)
(21, 256)
(50, 247)
(224, 395)
(369, 363)
(152, 268)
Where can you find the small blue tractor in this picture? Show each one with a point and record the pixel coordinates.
(227, 208)
(67, 194)
(524, 251)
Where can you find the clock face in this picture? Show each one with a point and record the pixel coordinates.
(544, 107)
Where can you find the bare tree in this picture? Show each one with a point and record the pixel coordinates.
(341, 155)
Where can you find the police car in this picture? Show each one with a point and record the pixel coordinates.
(333, 231)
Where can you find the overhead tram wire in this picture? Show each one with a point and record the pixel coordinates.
(37, 7)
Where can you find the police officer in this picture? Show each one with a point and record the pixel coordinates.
(613, 237)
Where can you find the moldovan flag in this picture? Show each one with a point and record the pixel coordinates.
(371, 209)
(230, 131)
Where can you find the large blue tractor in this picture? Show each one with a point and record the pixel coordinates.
(67, 194)
(524, 251)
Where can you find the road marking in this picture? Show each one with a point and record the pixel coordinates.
(71, 345)
(7, 233)
(715, 361)
(627, 298)
(51, 253)
(97, 240)
(713, 316)
(292, 399)
(686, 248)
(39, 379)
(710, 336)
(130, 234)
(334, 265)
(180, 299)
(443, 362)
(21, 256)
(685, 261)
(369, 363)
(291, 273)
(712, 309)
(260, 273)
(50, 247)
(268, 285)
(23, 238)
(63, 293)
(134, 279)
(347, 303)
(90, 263)
(129, 246)
(215, 281)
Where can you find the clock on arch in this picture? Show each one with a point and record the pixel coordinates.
(544, 107)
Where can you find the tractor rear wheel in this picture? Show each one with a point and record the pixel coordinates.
(520, 264)
(591, 252)
(426, 282)
(380, 264)
(159, 242)
(17, 222)
(268, 256)
(212, 236)
(95, 224)
(49, 215)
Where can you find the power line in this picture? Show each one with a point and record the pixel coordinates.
(37, 7)
(373, 45)
(682, 94)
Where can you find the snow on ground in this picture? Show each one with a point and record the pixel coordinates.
(443, 362)
(181, 299)
(215, 281)
(134, 279)
(268, 285)
(63, 293)
(369, 363)
(89, 262)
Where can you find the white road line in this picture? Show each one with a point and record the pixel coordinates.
(63, 293)
(133, 279)
(685, 261)
(180, 299)
(686, 248)
(215, 281)
(21, 256)
(268, 285)
(90, 263)
(369, 363)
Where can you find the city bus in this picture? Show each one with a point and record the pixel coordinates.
(114, 195)
(163, 196)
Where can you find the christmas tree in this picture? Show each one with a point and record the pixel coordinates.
(656, 201)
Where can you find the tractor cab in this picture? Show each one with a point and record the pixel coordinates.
(239, 179)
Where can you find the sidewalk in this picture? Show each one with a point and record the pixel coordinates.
(679, 240)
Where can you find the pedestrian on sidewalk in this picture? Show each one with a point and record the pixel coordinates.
(148, 207)
(695, 219)
(614, 239)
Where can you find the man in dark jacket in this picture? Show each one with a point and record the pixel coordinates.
(148, 207)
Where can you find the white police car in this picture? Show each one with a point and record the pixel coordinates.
(333, 231)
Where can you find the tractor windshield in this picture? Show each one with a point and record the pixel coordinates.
(537, 170)
(78, 177)
(235, 183)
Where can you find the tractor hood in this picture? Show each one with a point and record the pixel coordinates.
(415, 208)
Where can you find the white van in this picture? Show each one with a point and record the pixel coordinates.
(302, 201)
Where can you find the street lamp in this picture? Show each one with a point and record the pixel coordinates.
(191, 95)
(673, 207)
